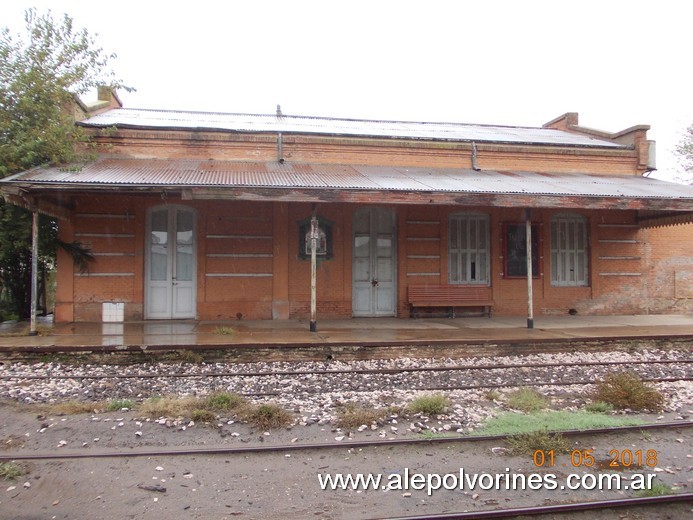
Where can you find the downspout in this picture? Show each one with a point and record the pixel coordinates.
(475, 166)
(280, 139)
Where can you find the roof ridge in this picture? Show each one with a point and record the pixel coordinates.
(329, 118)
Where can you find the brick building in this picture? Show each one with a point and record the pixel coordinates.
(206, 216)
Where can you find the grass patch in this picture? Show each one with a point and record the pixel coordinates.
(202, 416)
(354, 416)
(115, 405)
(432, 404)
(527, 400)
(267, 416)
(10, 471)
(189, 356)
(156, 407)
(223, 401)
(510, 423)
(492, 395)
(626, 390)
(658, 489)
(71, 407)
(599, 407)
(528, 443)
(264, 416)
(224, 331)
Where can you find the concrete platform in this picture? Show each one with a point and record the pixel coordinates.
(159, 335)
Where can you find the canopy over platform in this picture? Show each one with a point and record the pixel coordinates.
(657, 202)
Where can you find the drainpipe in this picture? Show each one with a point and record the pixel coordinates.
(530, 299)
(280, 140)
(34, 270)
(475, 166)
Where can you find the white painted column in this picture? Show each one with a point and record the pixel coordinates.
(34, 271)
(530, 298)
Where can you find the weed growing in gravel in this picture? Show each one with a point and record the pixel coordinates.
(202, 416)
(115, 405)
(528, 443)
(626, 390)
(71, 407)
(10, 471)
(658, 489)
(189, 356)
(223, 401)
(432, 404)
(224, 331)
(599, 407)
(511, 423)
(155, 407)
(527, 400)
(353, 416)
(492, 395)
(267, 416)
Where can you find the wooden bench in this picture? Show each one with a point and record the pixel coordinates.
(450, 296)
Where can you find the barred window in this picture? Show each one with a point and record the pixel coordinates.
(468, 248)
(569, 251)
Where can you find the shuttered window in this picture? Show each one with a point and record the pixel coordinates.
(569, 251)
(468, 249)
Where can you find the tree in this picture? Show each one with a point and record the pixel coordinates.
(685, 152)
(40, 73)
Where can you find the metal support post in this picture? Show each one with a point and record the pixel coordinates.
(530, 298)
(34, 271)
(314, 233)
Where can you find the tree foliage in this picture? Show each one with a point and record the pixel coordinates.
(685, 152)
(41, 70)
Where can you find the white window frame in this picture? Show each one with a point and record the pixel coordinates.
(569, 251)
(469, 248)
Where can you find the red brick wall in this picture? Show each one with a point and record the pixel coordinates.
(631, 270)
(669, 266)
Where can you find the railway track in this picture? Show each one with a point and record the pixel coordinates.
(322, 446)
(228, 454)
(563, 509)
(159, 379)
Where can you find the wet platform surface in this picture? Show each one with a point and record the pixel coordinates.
(357, 331)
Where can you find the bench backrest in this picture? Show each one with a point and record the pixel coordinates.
(420, 293)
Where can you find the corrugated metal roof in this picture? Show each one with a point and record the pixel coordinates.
(194, 173)
(165, 119)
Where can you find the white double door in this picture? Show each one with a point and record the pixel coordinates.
(374, 261)
(170, 290)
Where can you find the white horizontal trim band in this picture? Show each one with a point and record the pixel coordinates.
(261, 237)
(239, 255)
(238, 275)
(91, 275)
(106, 235)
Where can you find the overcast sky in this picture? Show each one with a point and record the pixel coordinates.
(617, 63)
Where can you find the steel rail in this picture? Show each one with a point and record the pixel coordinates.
(474, 387)
(222, 450)
(455, 368)
(143, 347)
(555, 508)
